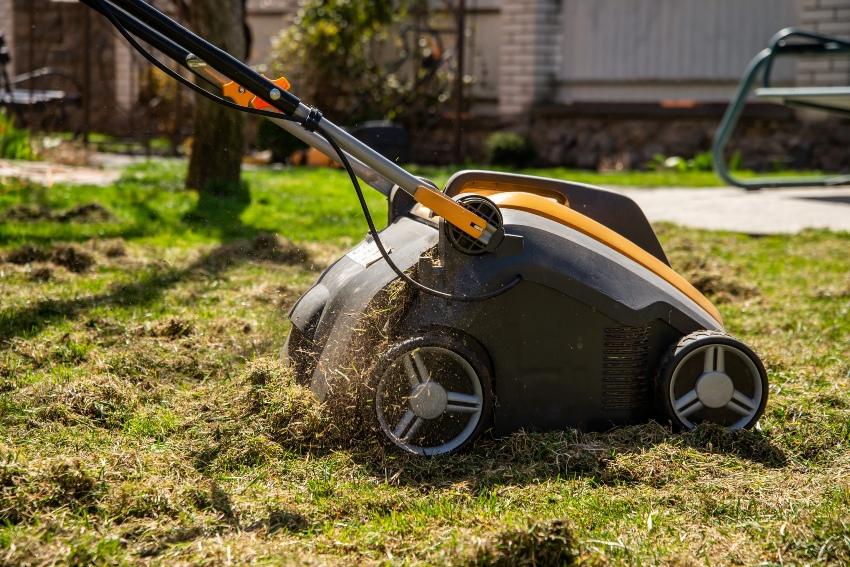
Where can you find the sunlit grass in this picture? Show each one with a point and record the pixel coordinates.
(146, 417)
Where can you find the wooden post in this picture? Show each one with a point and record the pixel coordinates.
(86, 75)
(31, 60)
(460, 15)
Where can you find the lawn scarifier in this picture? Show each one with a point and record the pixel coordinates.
(555, 298)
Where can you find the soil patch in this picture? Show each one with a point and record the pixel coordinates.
(715, 279)
(27, 213)
(41, 274)
(85, 213)
(27, 254)
(69, 256)
(173, 329)
(72, 257)
(545, 543)
(88, 212)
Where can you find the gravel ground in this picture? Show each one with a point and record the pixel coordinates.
(770, 211)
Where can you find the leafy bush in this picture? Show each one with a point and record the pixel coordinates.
(509, 148)
(365, 60)
(14, 143)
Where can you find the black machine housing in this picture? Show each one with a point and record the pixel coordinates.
(575, 344)
(577, 320)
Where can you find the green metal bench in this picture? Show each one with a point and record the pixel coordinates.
(828, 98)
(836, 99)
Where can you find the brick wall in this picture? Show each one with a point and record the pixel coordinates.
(831, 17)
(528, 51)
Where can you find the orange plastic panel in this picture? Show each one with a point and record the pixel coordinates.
(243, 97)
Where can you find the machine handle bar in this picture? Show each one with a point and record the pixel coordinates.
(152, 20)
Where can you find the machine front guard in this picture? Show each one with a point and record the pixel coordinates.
(813, 44)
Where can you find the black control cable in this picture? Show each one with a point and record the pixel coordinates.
(107, 11)
(343, 158)
(373, 232)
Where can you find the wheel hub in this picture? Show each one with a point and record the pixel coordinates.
(715, 389)
(428, 400)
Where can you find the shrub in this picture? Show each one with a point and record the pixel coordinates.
(365, 60)
(509, 148)
(14, 143)
(703, 161)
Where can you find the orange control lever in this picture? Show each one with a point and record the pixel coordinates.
(243, 97)
(260, 104)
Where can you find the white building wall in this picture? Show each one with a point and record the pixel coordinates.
(483, 42)
(649, 50)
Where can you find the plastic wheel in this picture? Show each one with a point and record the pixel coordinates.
(710, 376)
(432, 394)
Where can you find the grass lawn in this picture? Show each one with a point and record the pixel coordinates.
(145, 416)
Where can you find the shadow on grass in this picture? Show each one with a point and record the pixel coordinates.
(133, 213)
(219, 215)
(215, 215)
(639, 454)
(32, 319)
(292, 418)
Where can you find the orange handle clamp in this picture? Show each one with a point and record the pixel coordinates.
(243, 97)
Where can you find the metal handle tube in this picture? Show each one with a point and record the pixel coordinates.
(377, 162)
(201, 69)
(218, 59)
(363, 171)
(422, 191)
(288, 103)
(763, 62)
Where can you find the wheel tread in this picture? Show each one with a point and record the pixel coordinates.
(461, 344)
(673, 352)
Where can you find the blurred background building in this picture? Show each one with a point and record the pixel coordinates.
(613, 81)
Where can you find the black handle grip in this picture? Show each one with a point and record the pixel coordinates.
(215, 57)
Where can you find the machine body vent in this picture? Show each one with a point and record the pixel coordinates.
(625, 380)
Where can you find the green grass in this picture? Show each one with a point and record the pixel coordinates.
(149, 205)
(145, 418)
(14, 142)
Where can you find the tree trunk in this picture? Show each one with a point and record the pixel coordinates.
(215, 165)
